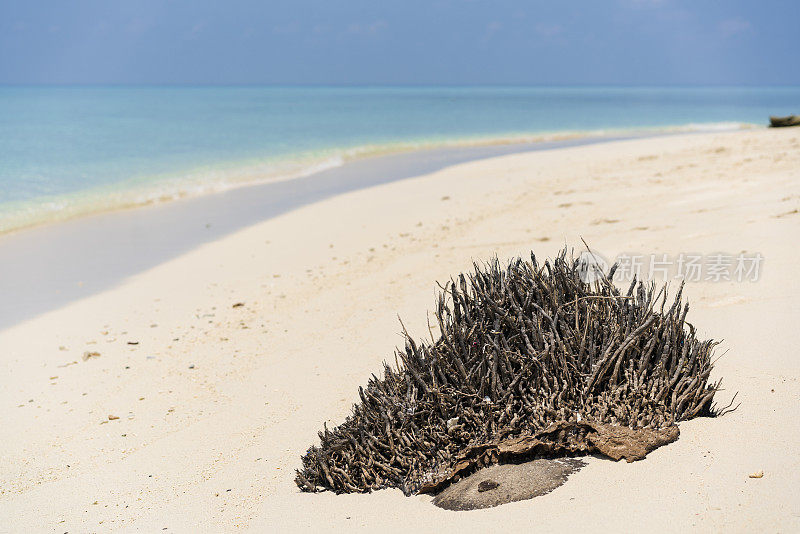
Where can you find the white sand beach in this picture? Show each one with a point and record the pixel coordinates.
(182, 398)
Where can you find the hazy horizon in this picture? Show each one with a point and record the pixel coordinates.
(628, 43)
(415, 85)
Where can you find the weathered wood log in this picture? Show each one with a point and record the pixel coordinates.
(782, 122)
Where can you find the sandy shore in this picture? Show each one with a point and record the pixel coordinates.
(214, 403)
(97, 252)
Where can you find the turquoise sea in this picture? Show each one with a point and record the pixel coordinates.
(67, 151)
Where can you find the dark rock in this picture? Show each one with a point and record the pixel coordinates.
(487, 485)
(782, 122)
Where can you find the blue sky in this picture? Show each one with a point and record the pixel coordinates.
(627, 42)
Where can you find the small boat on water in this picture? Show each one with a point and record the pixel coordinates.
(780, 122)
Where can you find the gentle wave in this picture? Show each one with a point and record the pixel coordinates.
(150, 190)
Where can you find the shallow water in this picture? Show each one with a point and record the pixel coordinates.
(68, 151)
(48, 266)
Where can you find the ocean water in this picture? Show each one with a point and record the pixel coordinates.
(68, 151)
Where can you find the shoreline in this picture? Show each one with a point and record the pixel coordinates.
(175, 187)
(95, 252)
(209, 374)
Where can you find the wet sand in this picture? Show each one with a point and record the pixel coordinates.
(47, 267)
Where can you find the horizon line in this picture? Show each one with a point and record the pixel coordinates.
(399, 85)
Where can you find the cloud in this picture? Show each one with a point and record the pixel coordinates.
(494, 26)
(285, 29)
(643, 3)
(372, 28)
(195, 31)
(734, 26)
(139, 26)
(491, 29)
(549, 30)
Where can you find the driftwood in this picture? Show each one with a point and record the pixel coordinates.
(530, 361)
(781, 122)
